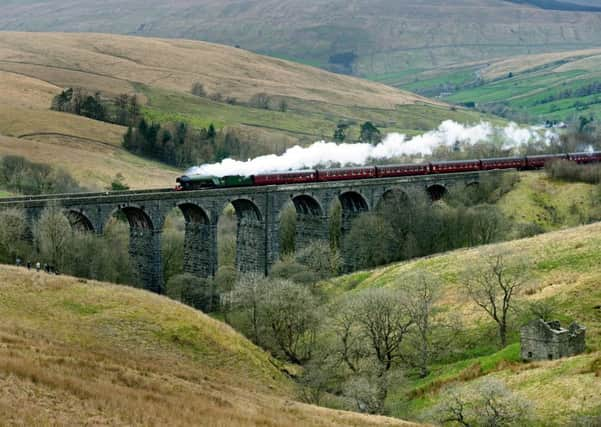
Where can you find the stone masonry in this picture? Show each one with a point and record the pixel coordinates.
(542, 340)
(257, 208)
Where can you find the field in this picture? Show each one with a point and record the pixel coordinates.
(90, 150)
(565, 269)
(77, 352)
(35, 67)
(552, 86)
(388, 36)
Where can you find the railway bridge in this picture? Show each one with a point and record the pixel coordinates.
(258, 217)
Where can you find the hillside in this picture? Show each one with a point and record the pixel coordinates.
(77, 352)
(389, 37)
(553, 86)
(564, 269)
(90, 150)
(35, 67)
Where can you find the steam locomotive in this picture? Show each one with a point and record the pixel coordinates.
(199, 182)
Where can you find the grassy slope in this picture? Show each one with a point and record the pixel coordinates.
(565, 267)
(88, 149)
(176, 64)
(34, 67)
(93, 353)
(550, 204)
(534, 78)
(389, 36)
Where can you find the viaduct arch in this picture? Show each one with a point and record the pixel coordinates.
(257, 211)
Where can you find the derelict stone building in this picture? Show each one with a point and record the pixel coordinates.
(542, 340)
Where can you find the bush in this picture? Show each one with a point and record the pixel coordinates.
(488, 402)
(260, 100)
(13, 227)
(22, 176)
(192, 290)
(320, 258)
(198, 89)
(287, 268)
(565, 170)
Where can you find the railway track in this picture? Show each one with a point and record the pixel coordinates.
(49, 197)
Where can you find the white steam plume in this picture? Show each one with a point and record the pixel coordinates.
(394, 145)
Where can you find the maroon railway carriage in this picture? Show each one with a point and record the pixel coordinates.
(402, 170)
(503, 163)
(582, 158)
(455, 166)
(341, 174)
(538, 161)
(293, 177)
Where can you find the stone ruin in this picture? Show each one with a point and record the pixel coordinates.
(542, 340)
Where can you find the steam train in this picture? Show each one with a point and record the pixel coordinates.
(199, 182)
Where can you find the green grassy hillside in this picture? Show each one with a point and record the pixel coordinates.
(558, 86)
(564, 269)
(550, 204)
(77, 352)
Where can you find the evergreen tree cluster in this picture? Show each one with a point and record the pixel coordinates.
(177, 144)
(368, 133)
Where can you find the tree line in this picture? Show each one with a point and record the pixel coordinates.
(19, 175)
(177, 144)
(357, 347)
(51, 240)
(123, 109)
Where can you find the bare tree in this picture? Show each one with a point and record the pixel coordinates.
(493, 286)
(260, 100)
(384, 320)
(12, 231)
(198, 89)
(52, 233)
(488, 402)
(290, 313)
(247, 296)
(349, 348)
(431, 333)
(320, 258)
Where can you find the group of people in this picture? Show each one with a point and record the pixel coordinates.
(50, 269)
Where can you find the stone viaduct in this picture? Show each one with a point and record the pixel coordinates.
(257, 209)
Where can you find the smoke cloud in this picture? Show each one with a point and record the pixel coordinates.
(394, 145)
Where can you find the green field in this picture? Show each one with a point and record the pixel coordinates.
(553, 90)
(304, 120)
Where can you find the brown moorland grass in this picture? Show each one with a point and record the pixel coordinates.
(21, 122)
(93, 163)
(90, 150)
(521, 63)
(177, 64)
(22, 91)
(389, 36)
(75, 352)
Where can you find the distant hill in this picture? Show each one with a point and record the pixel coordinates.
(559, 5)
(366, 37)
(79, 353)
